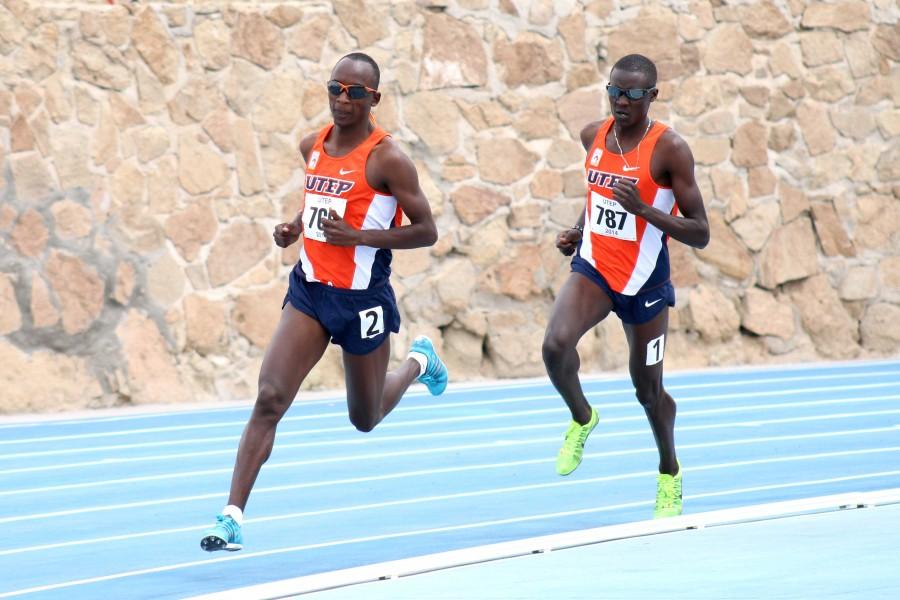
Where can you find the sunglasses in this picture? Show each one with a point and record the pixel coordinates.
(633, 94)
(354, 92)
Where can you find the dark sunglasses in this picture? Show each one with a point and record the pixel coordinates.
(633, 94)
(354, 92)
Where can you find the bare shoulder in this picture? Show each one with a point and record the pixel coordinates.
(306, 144)
(672, 143)
(589, 132)
(388, 155)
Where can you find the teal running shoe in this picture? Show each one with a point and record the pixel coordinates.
(435, 375)
(224, 535)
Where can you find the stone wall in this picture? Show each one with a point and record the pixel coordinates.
(148, 148)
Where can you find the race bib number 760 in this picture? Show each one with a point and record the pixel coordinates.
(315, 212)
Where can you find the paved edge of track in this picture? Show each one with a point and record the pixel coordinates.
(468, 556)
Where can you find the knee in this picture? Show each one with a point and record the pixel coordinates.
(363, 420)
(648, 394)
(553, 348)
(271, 403)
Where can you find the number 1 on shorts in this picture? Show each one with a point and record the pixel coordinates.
(655, 350)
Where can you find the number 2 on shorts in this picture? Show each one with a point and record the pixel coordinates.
(655, 350)
(371, 322)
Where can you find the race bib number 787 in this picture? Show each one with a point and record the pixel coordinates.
(610, 219)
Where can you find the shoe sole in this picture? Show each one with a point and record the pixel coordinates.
(212, 543)
(578, 464)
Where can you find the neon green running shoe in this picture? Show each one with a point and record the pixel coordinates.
(668, 495)
(572, 450)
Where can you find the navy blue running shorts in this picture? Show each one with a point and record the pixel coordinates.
(634, 310)
(358, 321)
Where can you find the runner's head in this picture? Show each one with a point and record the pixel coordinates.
(631, 89)
(352, 88)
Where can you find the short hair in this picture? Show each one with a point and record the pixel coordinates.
(362, 57)
(640, 64)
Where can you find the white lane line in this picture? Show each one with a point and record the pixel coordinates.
(375, 439)
(314, 484)
(419, 422)
(467, 388)
(491, 491)
(429, 531)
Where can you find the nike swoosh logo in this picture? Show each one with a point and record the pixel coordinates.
(343, 172)
(649, 304)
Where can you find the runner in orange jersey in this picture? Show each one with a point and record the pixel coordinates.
(641, 191)
(358, 185)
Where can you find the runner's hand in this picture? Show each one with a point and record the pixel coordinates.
(626, 194)
(286, 234)
(337, 232)
(567, 241)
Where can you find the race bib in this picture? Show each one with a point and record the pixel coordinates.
(610, 219)
(315, 212)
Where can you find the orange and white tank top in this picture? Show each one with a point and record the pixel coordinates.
(339, 184)
(627, 251)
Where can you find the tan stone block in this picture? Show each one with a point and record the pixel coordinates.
(43, 381)
(530, 59)
(684, 266)
(200, 170)
(711, 150)
(574, 185)
(150, 367)
(764, 20)
(829, 84)
(581, 76)
(43, 310)
(12, 33)
(878, 223)
(152, 41)
(151, 94)
(755, 227)
(244, 85)
(453, 54)
(105, 142)
(861, 55)
(434, 118)
(886, 40)
(7, 216)
(213, 41)
(750, 148)
(546, 184)
(843, 16)
(820, 48)
(859, 283)
(250, 177)
(781, 136)
(473, 204)
(10, 315)
(57, 99)
(79, 288)
(763, 313)
(87, 108)
(888, 165)
(103, 68)
(21, 137)
(538, 120)
(713, 314)
(880, 328)
(30, 235)
(784, 60)
(761, 181)
(728, 187)
(727, 49)
(789, 254)
(162, 186)
(281, 105)
(780, 107)
(256, 313)
(824, 318)
(70, 157)
(504, 160)
(889, 123)
(237, 249)
(718, 123)
(31, 177)
(205, 325)
(71, 220)
(124, 284)
(28, 97)
(165, 281)
(579, 108)
(307, 39)
(817, 132)
(365, 21)
(725, 251)
(652, 32)
(526, 215)
(485, 242)
(889, 272)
